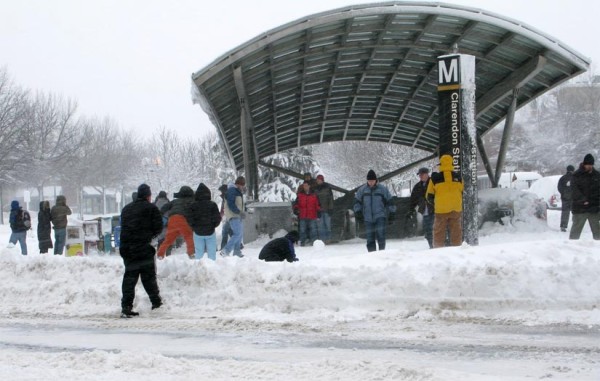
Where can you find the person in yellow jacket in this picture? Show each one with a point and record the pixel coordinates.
(445, 190)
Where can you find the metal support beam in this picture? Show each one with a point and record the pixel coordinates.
(297, 175)
(250, 153)
(515, 80)
(401, 170)
(486, 161)
(510, 117)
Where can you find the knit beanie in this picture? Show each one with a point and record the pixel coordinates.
(371, 175)
(588, 159)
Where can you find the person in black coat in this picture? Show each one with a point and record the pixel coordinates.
(20, 222)
(141, 221)
(204, 218)
(564, 188)
(44, 227)
(280, 249)
(585, 191)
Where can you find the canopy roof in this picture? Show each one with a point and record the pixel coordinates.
(369, 72)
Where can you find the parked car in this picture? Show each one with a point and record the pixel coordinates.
(546, 188)
(510, 205)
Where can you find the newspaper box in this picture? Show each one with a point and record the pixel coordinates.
(91, 236)
(74, 242)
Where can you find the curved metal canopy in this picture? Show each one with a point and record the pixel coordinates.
(369, 72)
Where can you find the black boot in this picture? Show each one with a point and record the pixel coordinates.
(127, 312)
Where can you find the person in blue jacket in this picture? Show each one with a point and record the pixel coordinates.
(373, 205)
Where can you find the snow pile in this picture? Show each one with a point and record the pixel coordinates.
(537, 277)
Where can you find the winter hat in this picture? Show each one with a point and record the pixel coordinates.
(321, 177)
(570, 168)
(588, 159)
(14, 204)
(162, 194)
(143, 191)
(223, 188)
(423, 170)
(371, 175)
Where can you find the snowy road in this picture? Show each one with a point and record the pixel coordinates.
(223, 349)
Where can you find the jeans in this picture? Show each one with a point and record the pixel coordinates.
(60, 235)
(236, 240)
(325, 226)
(208, 242)
(226, 232)
(428, 228)
(20, 237)
(375, 231)
(305, 225)
(579, 220)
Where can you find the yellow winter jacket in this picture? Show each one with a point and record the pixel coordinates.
(446, 188)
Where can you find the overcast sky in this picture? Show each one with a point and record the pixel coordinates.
(133, 60)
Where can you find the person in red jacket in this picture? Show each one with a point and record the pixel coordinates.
(307, 209)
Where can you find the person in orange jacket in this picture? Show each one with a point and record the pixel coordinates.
(445, 191)
(179, 212)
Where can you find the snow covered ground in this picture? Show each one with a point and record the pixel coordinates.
(524, 304)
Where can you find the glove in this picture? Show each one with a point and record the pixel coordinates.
(359, 216)
(242, 215)
(391, 218)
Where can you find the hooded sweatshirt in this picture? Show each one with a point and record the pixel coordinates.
(59, 213)
(181, 204)
(205, 215)
(445, 188)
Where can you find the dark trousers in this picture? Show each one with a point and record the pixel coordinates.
(133, 272)
(375, 231)
(428, 228)
(565, 212)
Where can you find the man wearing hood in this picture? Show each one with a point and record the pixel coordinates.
(179, 212)
(59, 213)
(445, 192)
(20, 222)
(280, 249)
(585, 191)
(372, 203)
(140, 223)
(205, 217)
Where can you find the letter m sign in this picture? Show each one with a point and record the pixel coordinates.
(448, 70)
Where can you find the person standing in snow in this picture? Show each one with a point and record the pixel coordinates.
(59, 213)
(20, 222)
(235, 214)
(445, 192)
(160, 201)
(418, 201)
(141, 221)
(226, 231)
(308, 210)
(585, 192)
(205, 217)
(280, 249)
(564, 188)
(325, 195)
(371, 204)
(44, 227)
(179, 211)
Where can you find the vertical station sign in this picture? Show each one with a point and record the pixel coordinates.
(457, 130)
